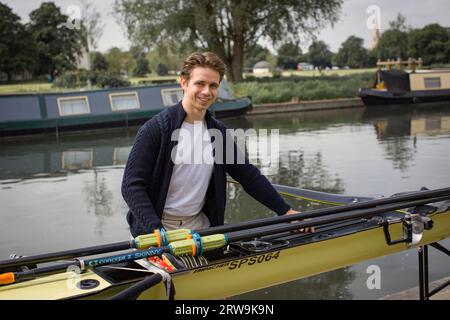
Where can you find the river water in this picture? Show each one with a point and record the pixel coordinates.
(63, 193)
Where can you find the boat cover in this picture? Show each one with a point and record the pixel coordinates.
(225, 91)
(396, 81)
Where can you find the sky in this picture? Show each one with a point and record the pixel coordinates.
(354, 19)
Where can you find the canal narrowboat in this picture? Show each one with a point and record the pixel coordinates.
(411, 85)
(98, 109)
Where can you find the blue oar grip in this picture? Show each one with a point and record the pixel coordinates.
(163, 234)
(198, 243)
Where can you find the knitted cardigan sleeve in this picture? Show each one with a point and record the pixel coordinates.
(137, 175)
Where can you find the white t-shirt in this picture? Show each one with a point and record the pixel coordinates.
(193, 167)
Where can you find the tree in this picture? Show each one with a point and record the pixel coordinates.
(58, 45)
(92, 29)
(16, 44)
(254, 54)
(161, 70)
(141, 69)
(289, 55)
(399, 23)
(319, 55)
(118, 61)
(393, 43)
(224, 26)
(431, 43)
(352, 53)
(170, 53)
(99, 62)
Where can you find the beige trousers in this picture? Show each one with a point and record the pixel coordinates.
(197, 222)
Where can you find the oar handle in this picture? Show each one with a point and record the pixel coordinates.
(64, 255)
(196, 246)
(12, 277)
(7, 278)
(156, 239)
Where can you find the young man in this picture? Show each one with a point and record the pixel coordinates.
(162, 186)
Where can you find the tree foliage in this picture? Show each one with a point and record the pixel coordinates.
(431, 43)
(58, 46)
(319, 55)
(255, 53)
(170, 53)
(119, 62)
(289, 55)
(226, 27)
(92, 28)
(141, 69)
(16, 44)
(162, 70)
(98, 62)
(399, 23)
(352, 53)
(393, 44)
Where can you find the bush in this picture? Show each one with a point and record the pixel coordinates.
(141, 69)
(270, 90)
(77, 79)
(74, 79)
(162, 70)
(105, 80)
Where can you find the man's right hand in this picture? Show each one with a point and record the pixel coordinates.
(308, 229)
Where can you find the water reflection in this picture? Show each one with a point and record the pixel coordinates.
(47, 157)
(98, 199)
(407, 121)
(300, 121)
(397, 129)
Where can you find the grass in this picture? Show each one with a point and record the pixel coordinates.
(284, 89)
(26, 87)
(316, 73)
(138, 80)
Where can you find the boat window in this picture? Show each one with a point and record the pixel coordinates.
(120, 156)
(432, 83)
(171, 96)
(77, 159)
(73, 105)
(124, 101)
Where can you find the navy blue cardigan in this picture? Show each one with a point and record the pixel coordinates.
(149, 169)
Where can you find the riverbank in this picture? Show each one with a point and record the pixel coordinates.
(308, 105)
